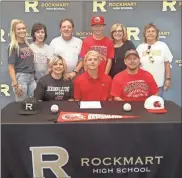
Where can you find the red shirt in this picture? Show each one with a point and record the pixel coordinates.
(89, 89)
(104, 46)
(137, 87)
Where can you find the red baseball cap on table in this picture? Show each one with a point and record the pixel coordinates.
(98, 20)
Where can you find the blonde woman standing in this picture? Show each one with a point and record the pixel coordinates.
(119, 36)
(20, 62)
(53, 86)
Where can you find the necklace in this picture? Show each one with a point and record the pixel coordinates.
(117, 49)
(149, 52)
(116, 53)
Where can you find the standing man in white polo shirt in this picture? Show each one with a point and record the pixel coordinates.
(68, 47)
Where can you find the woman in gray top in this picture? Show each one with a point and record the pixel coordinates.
(20, 62)
(42, 52)
(53, 86)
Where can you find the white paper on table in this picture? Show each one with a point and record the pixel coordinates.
(90, 105)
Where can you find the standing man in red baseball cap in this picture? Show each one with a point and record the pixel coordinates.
(100, 43)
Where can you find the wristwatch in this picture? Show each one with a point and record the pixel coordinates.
(75, 72)
(168, 78)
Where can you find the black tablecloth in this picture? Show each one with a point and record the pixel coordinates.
(10, 114)
(149, 136)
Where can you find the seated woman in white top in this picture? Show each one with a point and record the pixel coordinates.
(53, 86)
(42, 52)
(155, 57)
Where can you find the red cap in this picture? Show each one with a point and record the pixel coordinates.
(97, 20)
(156, 111)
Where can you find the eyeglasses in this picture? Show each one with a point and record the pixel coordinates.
(117, 31)
(150, 55)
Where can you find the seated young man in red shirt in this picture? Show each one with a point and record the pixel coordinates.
(133, 84)
(98, 42)
(92, 85)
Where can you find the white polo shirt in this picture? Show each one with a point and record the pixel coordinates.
(160, 54)
(69, 50)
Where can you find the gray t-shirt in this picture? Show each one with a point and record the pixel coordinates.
(41, 56)
(23, 62)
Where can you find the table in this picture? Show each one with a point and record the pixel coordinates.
(145, 147)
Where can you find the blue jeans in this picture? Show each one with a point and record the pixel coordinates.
(27, 83)
(161, 91)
